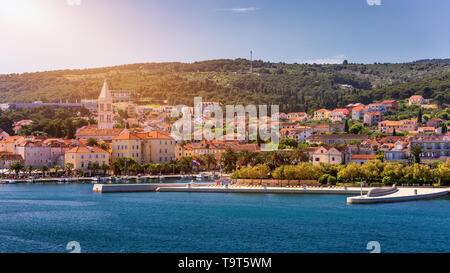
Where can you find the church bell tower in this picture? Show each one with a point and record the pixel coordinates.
(105, 108)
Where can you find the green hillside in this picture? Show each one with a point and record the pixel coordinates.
(295, 87)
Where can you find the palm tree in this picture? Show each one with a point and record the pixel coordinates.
(416, 150)
(105, 168)
(80, 172)
(44, 169)
(94, 167)
(57, 168)
(228, 159)
(299, 155)
(210, 159)
(247, 157)
(16, 167)
(30, 169)
(68, 167)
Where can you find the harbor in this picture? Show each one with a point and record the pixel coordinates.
(203, 222)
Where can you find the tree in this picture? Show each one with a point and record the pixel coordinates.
(299, 155)
(228, 160)
(94, 167)
(352, 172)
(210, 160)
(17, 167)
(288, 143)
(371, 170)
(57, 168)
(104, 146)
(380, 156)
(30, 169)
(346, 126)
(80, 172)
(394, 132)
(444, 128)
(419, 116)
(44, 169)
(105, 168)
(92, 142)
(416, 150)
(68, 167)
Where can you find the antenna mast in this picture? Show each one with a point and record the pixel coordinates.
(251, 61)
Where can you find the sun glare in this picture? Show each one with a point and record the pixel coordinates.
(21, 12)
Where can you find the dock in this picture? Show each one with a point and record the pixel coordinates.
(401, 195)
(367, 195)
(213, 188)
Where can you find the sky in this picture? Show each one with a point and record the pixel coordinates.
(41, 35)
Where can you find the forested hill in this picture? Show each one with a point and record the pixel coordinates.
(295, 87)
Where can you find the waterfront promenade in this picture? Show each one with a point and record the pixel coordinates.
(399, 195)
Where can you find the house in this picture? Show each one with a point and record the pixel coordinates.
(372, 118)
(144, 147)
(428, 130)
(328, 127)
(390, 105)
(283, 116)
(3, 134)
(91, 131)
(377, 107)
(350, 107)
(196, 149)
(338, 114)
(395, 151)
(296, 115)
(9, 144)
(34, 152)
(321, 114)
(435, 122)
(335, 138)
(8, 159)
(83, 156)
(298, 134)
(436, 147)
(416, 99)
(358, 112)
(360, 158)
(401, 126)
(330, 155)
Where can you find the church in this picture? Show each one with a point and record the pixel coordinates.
(105, 128)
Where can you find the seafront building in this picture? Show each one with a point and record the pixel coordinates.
(84, 156)
(144, 147)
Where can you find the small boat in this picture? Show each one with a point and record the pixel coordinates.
(12, 182)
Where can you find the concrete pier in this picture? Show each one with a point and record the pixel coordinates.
(287, 190)
(111, 188)
(401, 195)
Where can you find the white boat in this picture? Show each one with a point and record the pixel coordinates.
(12, 182)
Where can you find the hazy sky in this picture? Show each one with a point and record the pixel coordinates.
(37, 35)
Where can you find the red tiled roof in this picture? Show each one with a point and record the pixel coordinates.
(363, 156)
(86, 149)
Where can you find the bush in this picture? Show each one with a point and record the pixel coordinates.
(324, 179)
(331, 180)
(387, 180)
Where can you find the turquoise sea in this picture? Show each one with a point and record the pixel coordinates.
(44, 218)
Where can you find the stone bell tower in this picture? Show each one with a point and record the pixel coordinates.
(105, 108)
